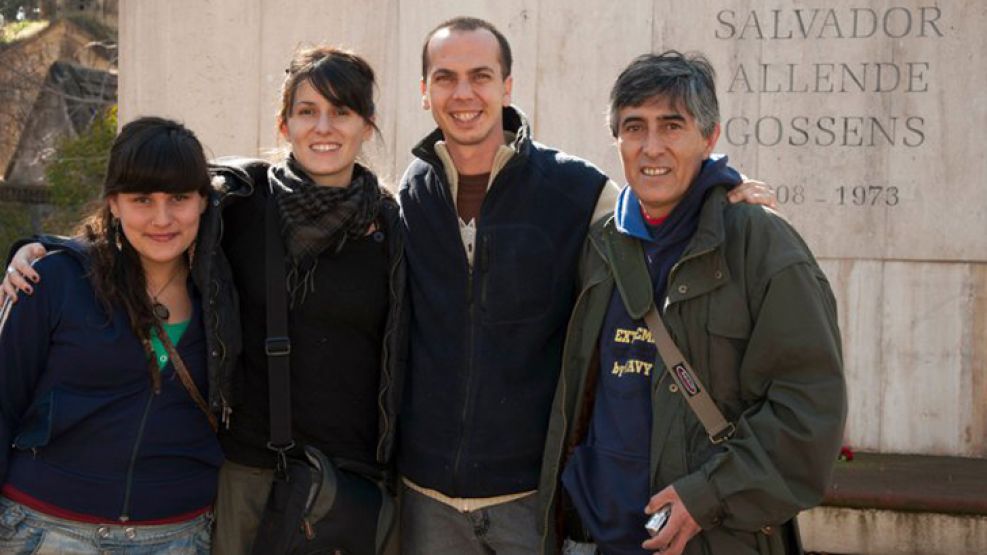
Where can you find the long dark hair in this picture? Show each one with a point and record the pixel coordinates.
(149, 155)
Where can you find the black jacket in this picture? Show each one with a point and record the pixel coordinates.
(248, 445)
(486, 341)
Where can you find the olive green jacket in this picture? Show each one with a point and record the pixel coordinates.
(754, 315)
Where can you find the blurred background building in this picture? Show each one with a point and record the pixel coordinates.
(58, 82)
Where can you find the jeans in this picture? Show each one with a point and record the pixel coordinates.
(430, 527)
(24, 531)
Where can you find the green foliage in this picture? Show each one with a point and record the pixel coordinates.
(16, 30)
(15, 223)
(76, 171)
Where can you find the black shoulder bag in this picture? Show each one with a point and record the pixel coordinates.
(317, 504)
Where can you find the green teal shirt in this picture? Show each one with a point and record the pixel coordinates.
(174, 332)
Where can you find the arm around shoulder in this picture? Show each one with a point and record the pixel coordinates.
(25, 329)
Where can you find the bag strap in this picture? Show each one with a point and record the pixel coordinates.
(186, 378)
(277, 345)
(717, 427)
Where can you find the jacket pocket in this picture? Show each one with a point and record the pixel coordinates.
(60, 411)
(728, 329)
(35, 429)
(517, 266)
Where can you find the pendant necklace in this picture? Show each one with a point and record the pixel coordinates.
(161, 311)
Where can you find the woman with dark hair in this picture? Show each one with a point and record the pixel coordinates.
(345, 281)
(107, 440)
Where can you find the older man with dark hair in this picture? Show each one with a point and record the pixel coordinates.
(734, 431)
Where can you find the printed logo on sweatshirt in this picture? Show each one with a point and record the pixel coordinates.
(641, 334)
(632, 366)
(633, 357)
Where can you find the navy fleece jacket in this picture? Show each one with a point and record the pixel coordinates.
(80, 426)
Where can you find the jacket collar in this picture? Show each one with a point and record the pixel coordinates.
(515, 123)
(627, 213)
(231, 178)
(711, 232)
(625, 255)
(621, 245)
(630, 273)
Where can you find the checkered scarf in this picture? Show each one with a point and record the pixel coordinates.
(315, 218)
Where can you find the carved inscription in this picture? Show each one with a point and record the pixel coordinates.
(829, 80)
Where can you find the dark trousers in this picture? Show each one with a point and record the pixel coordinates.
(430, 527)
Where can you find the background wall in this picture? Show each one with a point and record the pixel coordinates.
(868, 117)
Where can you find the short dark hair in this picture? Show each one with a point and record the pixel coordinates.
(463, 23)
(682, 79)
(342, 77)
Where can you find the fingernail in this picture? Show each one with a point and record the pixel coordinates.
(29, 289)
(35, 279)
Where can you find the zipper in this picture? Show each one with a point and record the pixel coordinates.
(225, 410)
(467, 398)
(125, 513)
(471, 270)
(484, 254)
(217, 346)
(225, 198)
(478, 266)
(385, 353)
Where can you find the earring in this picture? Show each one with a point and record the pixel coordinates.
(117, 233)
(190, 253)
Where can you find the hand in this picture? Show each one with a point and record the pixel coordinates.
(680, 528)
(753, 192)
(20, 274)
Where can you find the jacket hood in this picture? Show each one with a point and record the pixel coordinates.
(74, 247)
(515, 123)
(231, 175)
(629, 220)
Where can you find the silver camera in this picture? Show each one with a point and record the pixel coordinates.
(658, 520)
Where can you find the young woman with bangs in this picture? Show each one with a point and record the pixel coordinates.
(107, 444)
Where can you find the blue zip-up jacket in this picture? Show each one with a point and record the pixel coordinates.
(80, 426)
(486, 340)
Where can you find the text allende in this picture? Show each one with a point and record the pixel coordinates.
(869, 77)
